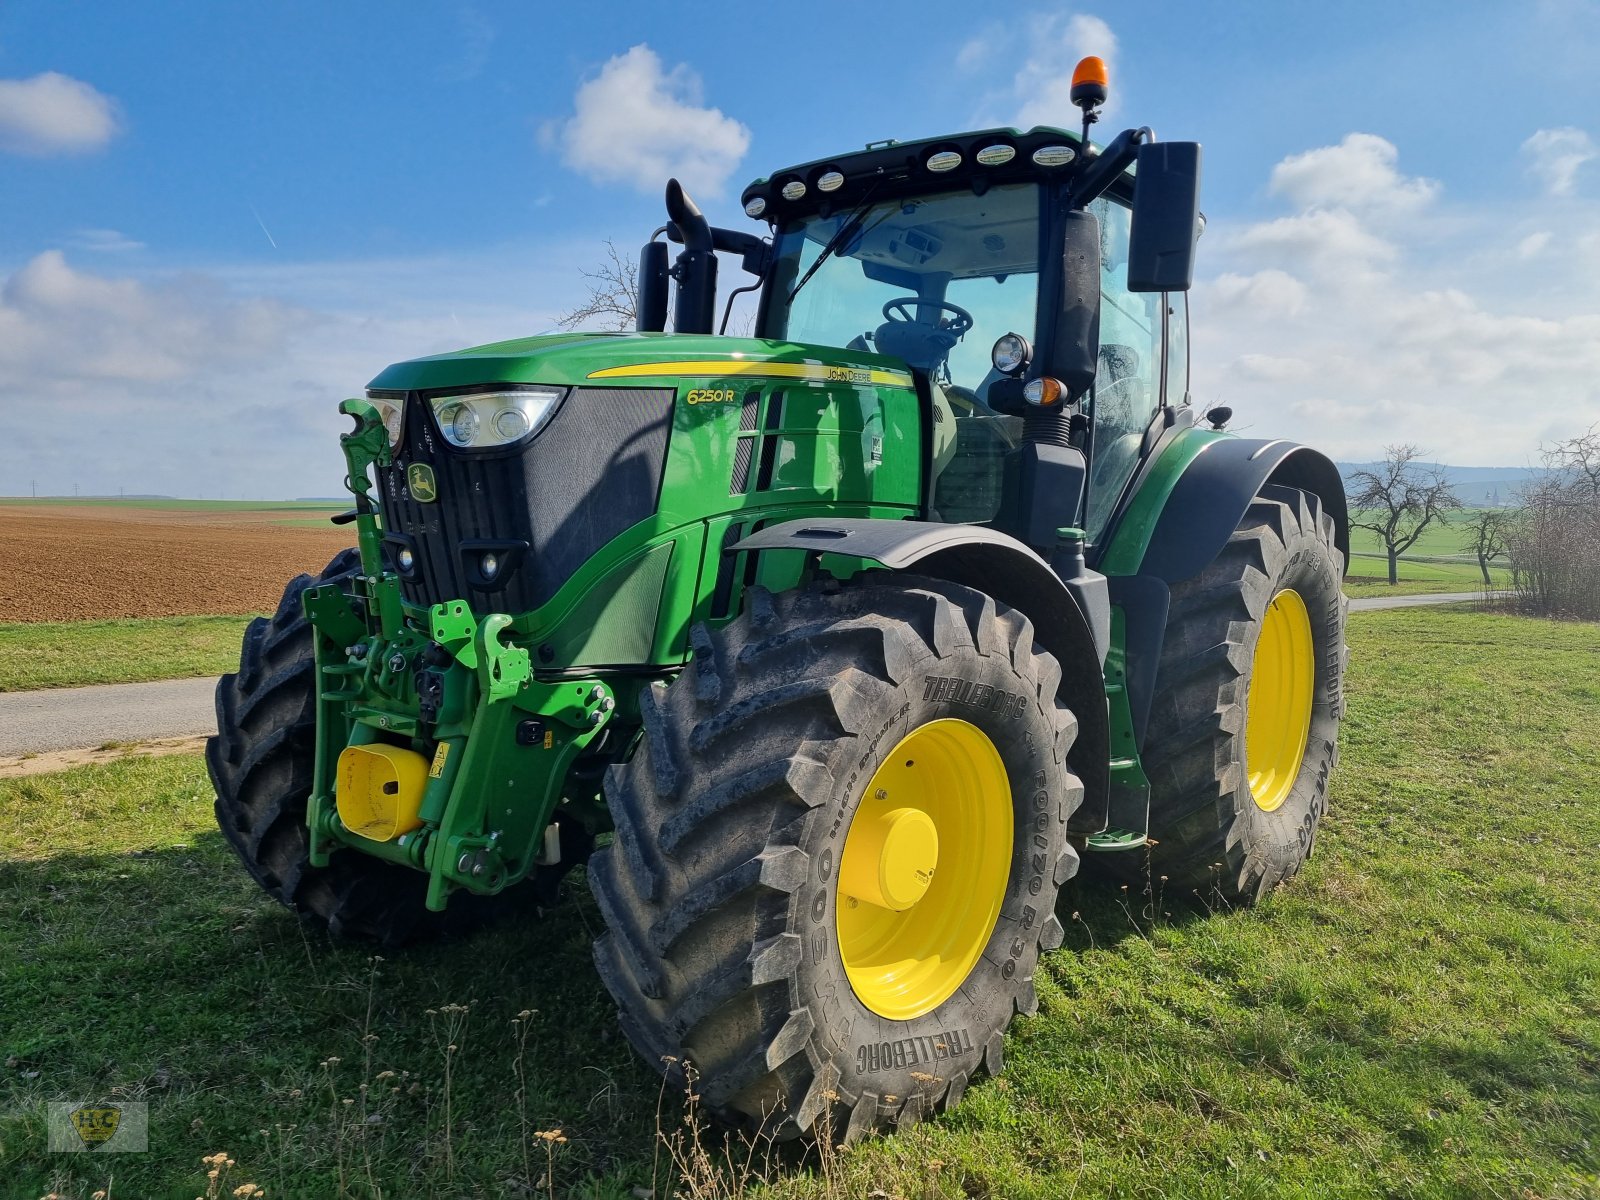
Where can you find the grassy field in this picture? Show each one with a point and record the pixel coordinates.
(49, 654)
(1417, 1015)
(1438, 562)
(1369, 576)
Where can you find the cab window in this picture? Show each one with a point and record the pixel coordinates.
(1127, 391)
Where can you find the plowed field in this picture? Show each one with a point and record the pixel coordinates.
(70, 562)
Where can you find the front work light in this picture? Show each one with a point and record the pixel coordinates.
(482, 419)
(1011, 354)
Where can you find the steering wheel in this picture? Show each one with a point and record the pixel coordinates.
(899, 311)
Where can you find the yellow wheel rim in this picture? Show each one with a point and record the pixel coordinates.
(924, 869)
(1278, 708)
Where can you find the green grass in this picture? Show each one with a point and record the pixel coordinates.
(1368, 576)
(1437, 563)
(1417, 1015)
(75, 653)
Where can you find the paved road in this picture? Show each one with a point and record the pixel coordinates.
(1373, 602)
(82, 718)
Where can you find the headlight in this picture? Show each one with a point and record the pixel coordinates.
(1011, 354)
(482, 419)
(393, 413)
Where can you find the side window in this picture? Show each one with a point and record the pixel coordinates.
(1177, 347)
(1128, 384)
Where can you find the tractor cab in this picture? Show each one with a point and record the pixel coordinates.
(1033, 283)
(949, 281)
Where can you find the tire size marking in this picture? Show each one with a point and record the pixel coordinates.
(876, 1057)
(973, 694)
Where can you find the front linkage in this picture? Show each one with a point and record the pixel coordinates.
(438, 750)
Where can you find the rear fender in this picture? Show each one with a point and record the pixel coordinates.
(1211, 496)
(1197, 518)
(1000, 566)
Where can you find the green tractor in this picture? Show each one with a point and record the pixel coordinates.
(830, 650)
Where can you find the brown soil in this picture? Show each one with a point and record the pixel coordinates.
(61, 760)
(75, 563)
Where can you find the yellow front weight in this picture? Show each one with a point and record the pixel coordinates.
(379, 790)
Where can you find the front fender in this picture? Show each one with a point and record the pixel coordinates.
(1000, 566)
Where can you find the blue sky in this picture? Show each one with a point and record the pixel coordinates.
(218, 219)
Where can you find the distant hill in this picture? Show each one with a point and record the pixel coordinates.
(1478, 487)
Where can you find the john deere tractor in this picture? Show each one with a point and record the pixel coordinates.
(830, 650)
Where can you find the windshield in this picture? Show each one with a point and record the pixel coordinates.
(934, 280)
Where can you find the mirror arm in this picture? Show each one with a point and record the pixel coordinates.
(1097, 174)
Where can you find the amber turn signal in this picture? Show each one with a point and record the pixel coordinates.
(1044, 391)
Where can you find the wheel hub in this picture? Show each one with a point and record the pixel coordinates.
(892, 858)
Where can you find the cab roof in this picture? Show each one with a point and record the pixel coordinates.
(888, 167)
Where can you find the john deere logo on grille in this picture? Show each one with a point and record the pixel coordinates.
(96, 1126)
(419, 479)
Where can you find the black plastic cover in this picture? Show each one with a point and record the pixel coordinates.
(592, 472)
(1166, 217)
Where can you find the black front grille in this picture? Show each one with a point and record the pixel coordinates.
(547, 504)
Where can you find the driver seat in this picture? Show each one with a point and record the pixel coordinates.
(922, 346)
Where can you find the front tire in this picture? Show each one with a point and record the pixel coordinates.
(1244, 726)
(901, 740)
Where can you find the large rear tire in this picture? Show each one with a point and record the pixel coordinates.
(261, 764)
(837, 854)
(1244, 727)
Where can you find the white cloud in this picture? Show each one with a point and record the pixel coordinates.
(1325, 241)
(54, 114)
(1039, 54)
(1327, 325)
(976, 52)
(1533, 244)
(104, 241)
(638, 124)
(1265, 293)
(67, 326)
(1555, 155)
(226, 379)
(1358, 174)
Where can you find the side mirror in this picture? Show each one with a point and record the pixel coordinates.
(1166, 217)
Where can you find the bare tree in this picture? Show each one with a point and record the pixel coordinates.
(613, 301)
(1555, 546)
(1488, 535)
(1399, 500)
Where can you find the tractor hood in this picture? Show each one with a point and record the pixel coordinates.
(625, 359)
